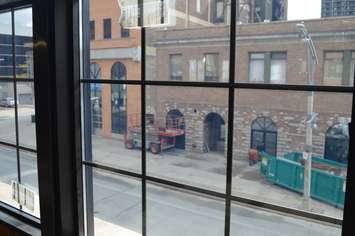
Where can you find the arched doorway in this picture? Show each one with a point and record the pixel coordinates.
(337, 143)
(173, 118)
(264, 135)
(118, 99)
(96, 97)
(214, 133)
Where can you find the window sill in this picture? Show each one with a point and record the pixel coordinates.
(18, 221)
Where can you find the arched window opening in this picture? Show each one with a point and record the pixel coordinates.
(264, 135)
(337, 143)
(118, 99)
(214, 133)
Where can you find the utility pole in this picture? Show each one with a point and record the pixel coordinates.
(312, 61)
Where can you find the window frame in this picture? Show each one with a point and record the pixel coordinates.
(20, 215)
(232, 85)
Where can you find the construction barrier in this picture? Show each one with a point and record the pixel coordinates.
(328, 181)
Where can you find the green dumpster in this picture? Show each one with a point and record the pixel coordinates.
(327, 182)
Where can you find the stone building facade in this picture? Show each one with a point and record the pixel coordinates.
(288, 110)
(266, 52)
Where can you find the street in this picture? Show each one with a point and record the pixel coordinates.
(117, 199)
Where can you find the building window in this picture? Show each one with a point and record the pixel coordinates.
(92, 30)
(264, 135)
(339, 68)
(352, 69)
(107, 29)
(211, 61)
(256, 67)
(278, 68)
(125, 33)
(176, 67)
(198, 6)
(333, 68)
(268, 67)
(218, 10)
(96, 99)
(337, 143)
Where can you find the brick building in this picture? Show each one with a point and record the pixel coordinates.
(266, 53)
(114, 54)
(193, 45)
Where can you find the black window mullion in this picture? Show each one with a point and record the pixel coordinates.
(231, 97)
(15, 98)
(143, 110)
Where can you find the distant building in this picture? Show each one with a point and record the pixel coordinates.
(23, 56)
(24, 67)
(338, 8)
(253, 11)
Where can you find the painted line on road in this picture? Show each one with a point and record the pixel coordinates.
(211, 216)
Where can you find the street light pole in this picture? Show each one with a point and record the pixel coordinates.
(312, 61)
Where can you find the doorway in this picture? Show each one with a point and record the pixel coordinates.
(214, 133)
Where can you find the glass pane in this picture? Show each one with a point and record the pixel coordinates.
(6, 58)
(186, 139)
(113, 114)
(211, 67)
(7, 113)
(26, 114)
(290, 27)
(256, 70)
(269, 159)
(173, 212)
(333, 69)
(252, 221)
(176, 67)
(117, 204)
(278, 71)
(24, 43)
(29, 178)
(8, 173)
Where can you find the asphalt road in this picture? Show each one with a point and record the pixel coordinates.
(8, 167)
(118, 200)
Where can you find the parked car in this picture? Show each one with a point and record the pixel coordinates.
(7, 102)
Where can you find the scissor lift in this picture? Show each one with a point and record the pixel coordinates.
(159, 137)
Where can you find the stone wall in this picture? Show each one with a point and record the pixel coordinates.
(290, 124)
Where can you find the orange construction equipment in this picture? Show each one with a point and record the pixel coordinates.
(159, 137)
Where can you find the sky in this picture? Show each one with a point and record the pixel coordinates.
(23, 22)
(297, 10)
(304, 9)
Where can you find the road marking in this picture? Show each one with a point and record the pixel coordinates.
(159, 202)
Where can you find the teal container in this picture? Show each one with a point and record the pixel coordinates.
(288, 172)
